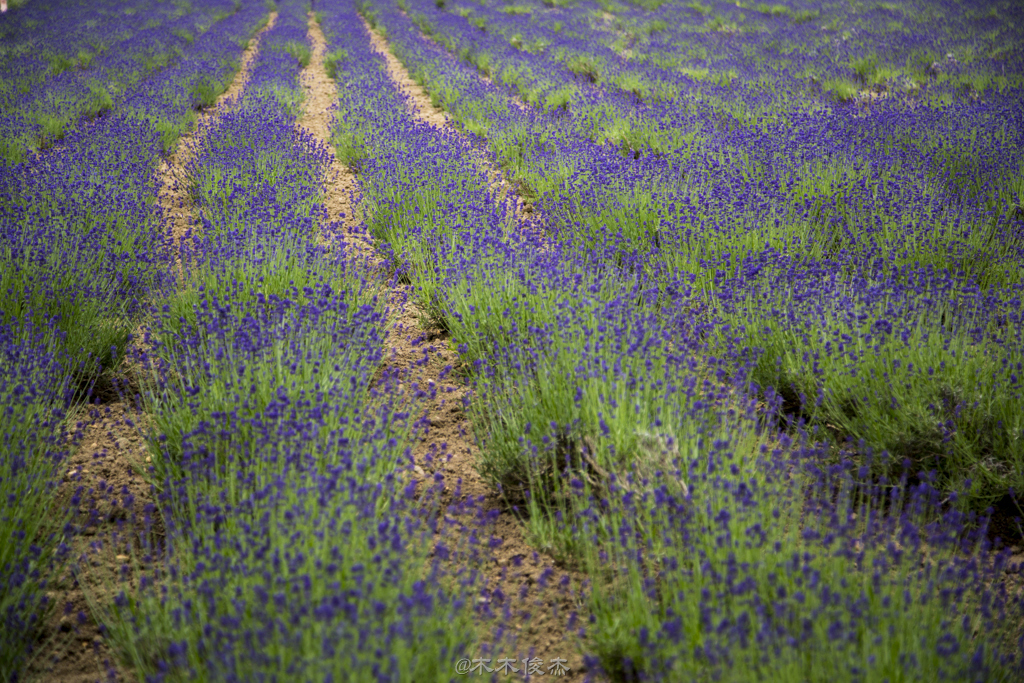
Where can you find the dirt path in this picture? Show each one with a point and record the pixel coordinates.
(104, 484)
(340, 186)
(513, 570)
(424, 110)
(173, 194)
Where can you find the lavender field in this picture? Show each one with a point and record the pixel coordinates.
(433, 340)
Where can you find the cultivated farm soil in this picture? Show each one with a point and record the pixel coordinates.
(105, 473)
(104, 482)
(424, 110)
(420, 361)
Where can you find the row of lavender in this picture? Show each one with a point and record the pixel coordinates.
(82, 250)
(602, 405)
(774, 208)
(292, 549)
(91, 73)
(750, 57)
(683, 111)
(973, 160)
(41, 41)
(615, 399)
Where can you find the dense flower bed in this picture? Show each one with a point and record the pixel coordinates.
(753, 363)
(82, 250)
(617, 372)
(115, 51)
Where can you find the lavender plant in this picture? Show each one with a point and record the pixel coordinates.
(88, 83)
(35, 392)
(757, 373)
(274, 456)
(571, 414)
(82, 252)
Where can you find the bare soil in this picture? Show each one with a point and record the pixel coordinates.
(105, 486)
(423, 109)
(173, 195)
(340, 190)
(106, 492)
(541, 595)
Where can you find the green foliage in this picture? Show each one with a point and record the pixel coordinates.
(289, 99)
(331, 61)
(31, 520)
(721, 24)
(633, 83)
(864, 67)
(1010, 190)
(206, 90)
(884, 75)
(556, 412)
(805, 15)
(60, 63)
(84, 58)
(656, 26)
(483, 61)
(560, 98)
(978, 82)
(649, 5)
(840, 88)
(350, 146)
(171, 131)
(696, 74)
(930, 394)
(584, 65)
(184, 34)
(13, 150)
(90, 332)
(300, 51)
(182, 8)
(158, 58)
(776, 10)
(52, 128)
(689, 561)
(98, 101)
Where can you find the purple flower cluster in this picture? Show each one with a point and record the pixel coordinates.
(83, 242)
(283, 54)
(291, 547)
(858, 590)
(825, 190)
(82, 250)
(101, 68)
(756, 368)
(35, 388)
(864, 284)
(429, 200)
(168, 101)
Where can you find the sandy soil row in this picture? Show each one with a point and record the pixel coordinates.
(104, 475)
(514, 565)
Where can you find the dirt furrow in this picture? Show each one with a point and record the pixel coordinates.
(340, 185)
(173, 195)
(104, 483)
(446, 446)
(424, 110)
